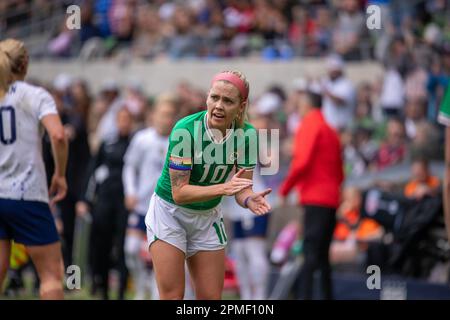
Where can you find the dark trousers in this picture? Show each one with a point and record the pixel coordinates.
(67, 208)
(319, 223)
(107, 243)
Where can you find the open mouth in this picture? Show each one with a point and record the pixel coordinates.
(218, 116)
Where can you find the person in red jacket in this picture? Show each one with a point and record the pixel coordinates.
(317, 173)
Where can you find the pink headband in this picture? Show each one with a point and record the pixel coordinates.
(234, 80)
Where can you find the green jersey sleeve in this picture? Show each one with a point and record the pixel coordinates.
(180, 148)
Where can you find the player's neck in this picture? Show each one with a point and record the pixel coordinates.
(18, 77)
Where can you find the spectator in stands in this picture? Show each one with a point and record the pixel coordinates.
(348, 30)
(63, 43)
(148, 39)
(317, 172)
(422, 183)
(414, 114)
(438, 80)
(392, 93)
(122, 23)
(393, 148)
(184, 42)
(360, 150)
(353, 232)
(426, 142)
(110, 94)
(338, 95)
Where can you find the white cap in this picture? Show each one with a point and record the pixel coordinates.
(300, 84)
(335, 62)
(62, 82)
(315, 87)
(134, 84)
(268, 103)
(109, 85)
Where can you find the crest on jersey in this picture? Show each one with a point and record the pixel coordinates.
(233, 156)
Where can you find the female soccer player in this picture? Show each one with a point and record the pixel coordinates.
(25, 215)
(184, 219)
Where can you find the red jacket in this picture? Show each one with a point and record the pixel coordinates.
(316, 169)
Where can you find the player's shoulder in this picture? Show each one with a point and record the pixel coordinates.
(248, 126)
(28, 87)
(32, 91)
(189, 121)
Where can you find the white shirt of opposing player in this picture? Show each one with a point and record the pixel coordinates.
(144, 162)
(22, 171)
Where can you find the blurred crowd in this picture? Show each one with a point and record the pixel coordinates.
(271, 29)
(383, 123)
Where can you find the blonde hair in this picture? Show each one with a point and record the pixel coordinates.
(18, 55)
(5, 73)
(242, 117)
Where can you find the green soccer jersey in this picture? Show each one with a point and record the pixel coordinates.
(444, 112)
(192, 147)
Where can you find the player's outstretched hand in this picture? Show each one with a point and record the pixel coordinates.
(237, 184)
(258, 204)
(58, 189)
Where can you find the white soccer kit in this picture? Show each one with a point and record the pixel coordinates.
(144, 161)
(22, 171)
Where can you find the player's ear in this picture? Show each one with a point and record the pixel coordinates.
(242, 106)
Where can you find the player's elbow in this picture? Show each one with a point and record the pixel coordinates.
(58, 136)
(178, 198)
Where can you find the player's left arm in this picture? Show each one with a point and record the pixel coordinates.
(254, 201)
(58, 186)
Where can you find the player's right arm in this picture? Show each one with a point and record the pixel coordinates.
(55, 130)
(184, 193)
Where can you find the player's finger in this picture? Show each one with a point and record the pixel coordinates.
(260, 212)
(244, 183)
(242, 179)
(238, 174)
(240, 188)
(265, 207)
(59, 195)
(52, 189)
(265, 192)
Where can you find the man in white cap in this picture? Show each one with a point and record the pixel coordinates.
(338, 95)
(110, 93)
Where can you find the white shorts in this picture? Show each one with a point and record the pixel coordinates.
(186, 229)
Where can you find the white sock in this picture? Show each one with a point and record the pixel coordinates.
(135, 265)
(242, 269)
(259, 264)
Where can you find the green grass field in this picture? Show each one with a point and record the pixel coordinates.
(29, 293)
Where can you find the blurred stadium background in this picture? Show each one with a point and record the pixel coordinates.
(130, 51)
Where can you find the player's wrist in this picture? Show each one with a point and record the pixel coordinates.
(245, 204)
(58, 175)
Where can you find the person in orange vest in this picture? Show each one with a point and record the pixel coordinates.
(422, 183)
